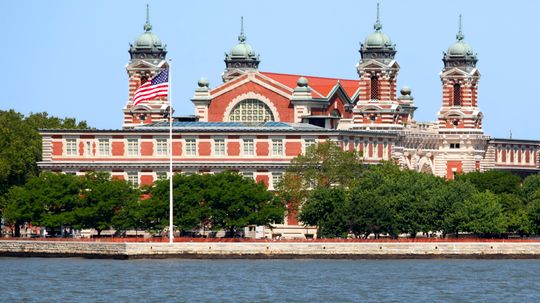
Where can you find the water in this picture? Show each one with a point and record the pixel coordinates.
(176, 280)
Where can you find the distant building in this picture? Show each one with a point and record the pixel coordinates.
(255, 122)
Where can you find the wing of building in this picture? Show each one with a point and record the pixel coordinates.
(255, 122)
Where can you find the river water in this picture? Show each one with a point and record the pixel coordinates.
(177, 280)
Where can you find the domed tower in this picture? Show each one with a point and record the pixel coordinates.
(241, 58)
(463, 144)
(459, 110)
(147, 59)
(377, 106)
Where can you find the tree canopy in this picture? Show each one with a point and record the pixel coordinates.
(20, 144)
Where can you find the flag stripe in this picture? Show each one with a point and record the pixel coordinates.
(157, 86)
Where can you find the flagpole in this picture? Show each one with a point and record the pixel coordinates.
(171, 231)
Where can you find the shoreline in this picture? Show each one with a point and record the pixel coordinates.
(271, 250)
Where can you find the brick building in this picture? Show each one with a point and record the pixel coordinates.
(255, 122)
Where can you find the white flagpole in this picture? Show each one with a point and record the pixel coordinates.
(171, 231)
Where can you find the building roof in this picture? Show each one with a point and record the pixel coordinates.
(321, 87)
(233, 126)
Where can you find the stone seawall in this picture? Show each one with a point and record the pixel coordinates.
(276, 250)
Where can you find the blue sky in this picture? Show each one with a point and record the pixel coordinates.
(68, 57)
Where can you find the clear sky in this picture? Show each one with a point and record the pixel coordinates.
(68, 57)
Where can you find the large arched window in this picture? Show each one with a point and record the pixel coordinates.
(251, 110)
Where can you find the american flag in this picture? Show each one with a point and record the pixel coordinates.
(157, 87)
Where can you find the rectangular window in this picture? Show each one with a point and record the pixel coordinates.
(162, 147)
(308, 143)
(88, 148)
(507, 154)
(133, 178)
(247, 174)
(516, 156)
(219, 147)
(191, 147)
(277, 147)
(455, 145)
(133, 147)
(249, 147)
(276, 177)
(71, 147)
(104, 148)
(161, 175)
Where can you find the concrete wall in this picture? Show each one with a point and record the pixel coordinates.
(272, 249)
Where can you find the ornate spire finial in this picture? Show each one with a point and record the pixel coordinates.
(242, 36)
(378, 26)
(460, 35)
(147, 25)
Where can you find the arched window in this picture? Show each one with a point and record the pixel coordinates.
(374, 88)
(457, 95)
(251, 110)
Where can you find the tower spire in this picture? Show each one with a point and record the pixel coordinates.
(242, 36)
(460, 35)
(378, 25)
(147, 25)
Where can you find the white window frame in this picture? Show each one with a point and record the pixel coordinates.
(71, 147)
(104, 150)
(220, 147)
(276, 177)
(88, 148)
(190, 148)
(308, 142)
(278, 147)
(248, 174)
(248, 147)
(162, 175)
(133, 150)
(129, 178)
(162, 147)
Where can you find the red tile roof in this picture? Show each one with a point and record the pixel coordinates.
(321, 86)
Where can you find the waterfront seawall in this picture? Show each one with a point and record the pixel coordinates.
(270, 250)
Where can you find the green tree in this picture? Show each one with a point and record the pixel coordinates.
(481, 214)
(46, 200)
(103, 202)
(326, 208)
(497, 182)
(20, 144)
(515, 211)
(531, 188)
(237, 202)
(407, 195)
(533, 213)
(216, 201)
(452, 193)
(326, 164)
(323, 165)
(370, 211)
